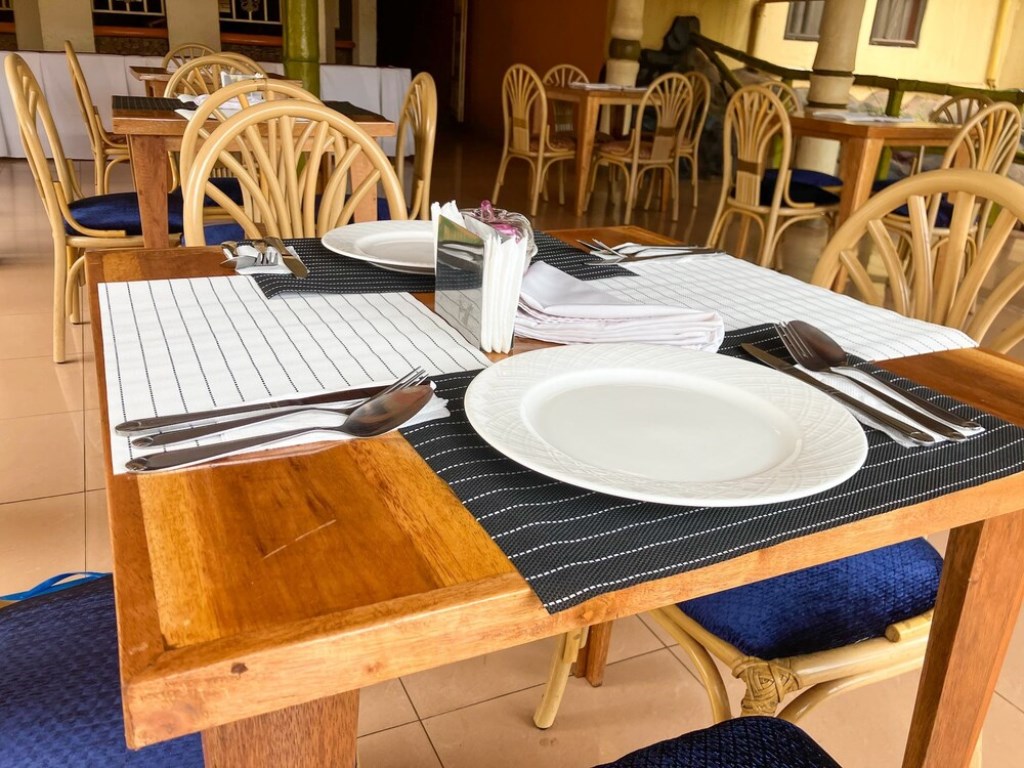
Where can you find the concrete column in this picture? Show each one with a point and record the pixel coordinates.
(364, 32)
(193, 21)
(302, 42)
(832, 75)
(627, 28)
(44, 25)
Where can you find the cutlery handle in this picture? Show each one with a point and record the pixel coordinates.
(192, 433)
(911, 431)
(916, 414)
(172, 459)
(937, 411)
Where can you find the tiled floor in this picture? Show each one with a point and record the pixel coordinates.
(474, 713)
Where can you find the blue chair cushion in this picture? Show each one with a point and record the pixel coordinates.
(745, 742)
(218, 233)
(383, 209)
(803, 176)
(942, 218)
(824, 607)
(60, 690)
(119, 211)
(798, 193)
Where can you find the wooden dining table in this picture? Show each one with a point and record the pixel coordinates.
(155, 78)
(234, 624)
(153, 129)
(588, 102)
(861, 149)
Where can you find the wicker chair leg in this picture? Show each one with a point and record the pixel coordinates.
(693, 177)
(500, 179)
(60, 273)
(714, 685)
(73, 292)
(568, 648)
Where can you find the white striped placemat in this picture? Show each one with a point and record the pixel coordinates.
(174, 346)
(746, 295)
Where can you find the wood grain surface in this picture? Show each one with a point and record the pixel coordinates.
(262, 583)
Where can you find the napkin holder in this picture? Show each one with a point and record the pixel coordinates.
(458, 292)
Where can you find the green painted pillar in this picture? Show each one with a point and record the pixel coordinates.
(301, 20)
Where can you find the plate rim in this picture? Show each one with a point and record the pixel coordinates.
(846, 432)
(410, 224)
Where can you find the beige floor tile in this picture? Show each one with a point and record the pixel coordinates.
(32, 386)
(733, 685)
(26, 288)
(664, 637)
(39, 539)
(1011, 681)
(384, 706)
(95, 477)
(468, 682)
(1001, 739)
(41, 456)
(32, 336)
(97, 533)
(406, 746)
(644, 700)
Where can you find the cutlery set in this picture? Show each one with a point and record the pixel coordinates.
(264, 256)
(634, 252)
(369, 411)
(815, 351)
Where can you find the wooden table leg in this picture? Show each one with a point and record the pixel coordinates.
(311, 735)
(978, 603)
(586, 130)
(593, 657)
(149, 169)
(857, 167)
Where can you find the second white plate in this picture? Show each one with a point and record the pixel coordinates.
(399, 246)
(666, 425)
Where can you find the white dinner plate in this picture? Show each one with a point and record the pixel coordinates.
(664, 424)
(399, 246)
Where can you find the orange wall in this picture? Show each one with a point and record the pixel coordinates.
(540, 33)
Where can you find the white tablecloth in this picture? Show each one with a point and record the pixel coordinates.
(376, 89)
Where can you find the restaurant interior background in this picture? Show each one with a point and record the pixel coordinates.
(52, 507)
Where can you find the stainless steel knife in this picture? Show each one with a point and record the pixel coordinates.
(293, 263)
(156, 423)
(913, 432)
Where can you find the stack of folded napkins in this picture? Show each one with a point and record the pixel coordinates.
(229, 107)
(554, 306)
(504, 261)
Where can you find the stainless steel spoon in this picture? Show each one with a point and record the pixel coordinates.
(374, 417)
(835, 360)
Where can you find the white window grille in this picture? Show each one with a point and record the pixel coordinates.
(251, 11)
(127, 7)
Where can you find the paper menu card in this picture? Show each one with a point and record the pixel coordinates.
(478, 277)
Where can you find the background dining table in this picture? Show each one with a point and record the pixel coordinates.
(153, 129)
(232, 624)
(862, 143)
(155, 78)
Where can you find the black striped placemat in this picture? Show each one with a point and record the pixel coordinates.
(571, 544)
(330, 272)
(148, 102)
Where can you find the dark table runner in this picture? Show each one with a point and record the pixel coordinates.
(346, 108)
(330, 272)
(572, 544)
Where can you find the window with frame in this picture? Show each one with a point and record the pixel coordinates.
(897, 22)
(803, 21)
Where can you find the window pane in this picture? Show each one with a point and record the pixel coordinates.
(804, 20)
(897, 22)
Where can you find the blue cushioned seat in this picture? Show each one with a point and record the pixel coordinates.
(745, 742)
(60, 690)
(828, 606)
(942, 218)
(226, 230)
(798, 193)
(383, 209)
(804, 176)
(119, 211)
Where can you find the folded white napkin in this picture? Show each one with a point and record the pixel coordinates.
(846, 386)
(229, 107)
(265, 269)
(554, 306)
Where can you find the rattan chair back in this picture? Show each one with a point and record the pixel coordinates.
(203, 75)
(418, 119)
(180, 54)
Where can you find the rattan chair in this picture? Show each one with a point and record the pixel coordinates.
(528, 136)
(60, 701)
(294, 162)
(670, 99)
(418, 118)
(108, 149)
(756, 130)
(952, 281)
(180, 54)
(561, 112)
(689, 146)
(76, 222)
(203, 75)
(786, 95)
